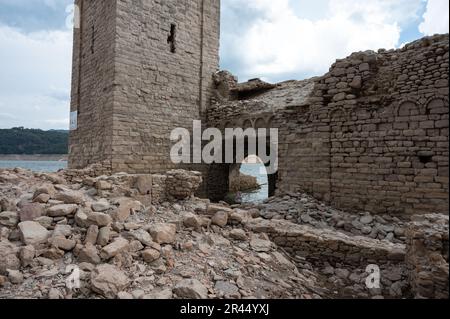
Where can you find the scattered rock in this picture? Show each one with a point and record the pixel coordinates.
(62, 210)
(9, 219)
(191, 289)
(30, 212)
(150, 255)
(163, 233)
(116, 247)
(33, 233)
(220, 219)
(108, 281)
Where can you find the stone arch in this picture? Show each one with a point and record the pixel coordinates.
(260, 123)
(407, 108)
(436, 105)
(247, 124)
(219, 173)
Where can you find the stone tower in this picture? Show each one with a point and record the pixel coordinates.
(140, 69)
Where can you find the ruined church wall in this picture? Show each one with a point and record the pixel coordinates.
(375, 136)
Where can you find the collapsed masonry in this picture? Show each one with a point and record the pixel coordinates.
(146, 236)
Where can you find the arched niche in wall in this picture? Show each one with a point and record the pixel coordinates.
(407, 108)
(260, 123)
(436, 105)
(247, 124)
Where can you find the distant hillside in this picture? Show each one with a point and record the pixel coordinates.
(19, 140)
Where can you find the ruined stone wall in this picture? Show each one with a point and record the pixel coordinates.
(151, 72)
(427, 256)
(374, 135)
(92, 84)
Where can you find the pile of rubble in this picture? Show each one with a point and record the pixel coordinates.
(55, 228)
(73, 235)
(305, 210)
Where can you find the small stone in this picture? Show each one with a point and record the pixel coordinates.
(224, 288)
(15, 277)
(45, 221)
(220, 219)
(192, 221)
(150, 255)
(30, 212)
(62, 210)
(163, 233)
(143, 236)
(366, 219)
(63, 243)
(42, 198)
(100, 219)
(27, 255)
(32, 233)
(9, 219)
(70, 197)
(108, 281)
(62, 230)
(91, 235)
(238, 234)
(89, 254)
(165, 294)
(101, 206)
(191, 289)
(115, 248)
(81, 218)
(104, 236)
(260, 245)
(8, 257)
(342, 273)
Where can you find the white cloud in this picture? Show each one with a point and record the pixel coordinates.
(36, 75)
(280, 42)
(436, 17)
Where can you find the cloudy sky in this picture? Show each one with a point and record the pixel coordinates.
(272, 39)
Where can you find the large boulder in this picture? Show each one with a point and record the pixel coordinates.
(32, 233)
(108, 281)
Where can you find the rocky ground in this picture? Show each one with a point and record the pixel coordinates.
(54, 229)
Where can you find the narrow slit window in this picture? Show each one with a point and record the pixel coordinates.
(93, 39)
(171, 40)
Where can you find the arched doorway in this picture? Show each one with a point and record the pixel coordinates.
(249, 181)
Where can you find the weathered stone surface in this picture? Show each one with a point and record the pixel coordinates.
(27, 255)
(119, 245)
(30, 212)
(70, 197)
(190, 289)
(8, 258)
(220, 219)
(104, 236)
(144, 184)
(62, 210)
(143, 236)
(191, 220)
(238, 234)
(89, 254)
(108, 281)
(100, 219)
(9, 219)
(163, 233)
(32, 233)
(150, 255)
(91, 235)
(101, 206)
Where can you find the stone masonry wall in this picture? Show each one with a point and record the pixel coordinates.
(150, 71)
(427, 256)
(92, 84)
